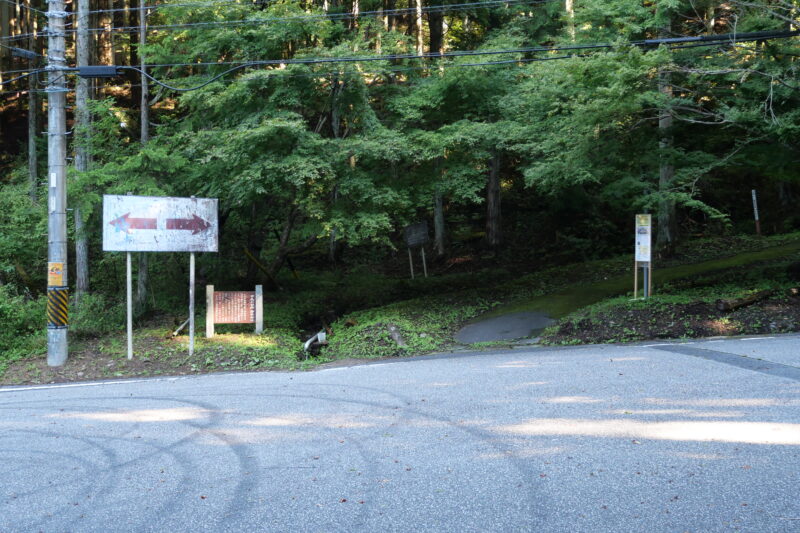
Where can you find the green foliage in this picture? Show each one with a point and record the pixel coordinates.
(425, 325)
(23, 320)
(308, 157)
(23, 238)
(96, 315)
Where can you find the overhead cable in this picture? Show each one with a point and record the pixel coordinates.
(442, 8)
(488, 3)
(675, 43)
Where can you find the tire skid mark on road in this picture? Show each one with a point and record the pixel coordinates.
(741, 361)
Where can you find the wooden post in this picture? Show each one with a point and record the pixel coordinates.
(411, 263)
(259, 309)
(424, 264)
(650, 279)
(635, 278)
(209, 311)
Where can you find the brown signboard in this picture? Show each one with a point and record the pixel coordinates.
(234, 307)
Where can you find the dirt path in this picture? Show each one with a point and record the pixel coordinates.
(495, 325)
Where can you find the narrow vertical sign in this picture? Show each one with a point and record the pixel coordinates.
(755, 212)
(643, 238)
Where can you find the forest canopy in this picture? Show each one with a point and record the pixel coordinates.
(327, 126)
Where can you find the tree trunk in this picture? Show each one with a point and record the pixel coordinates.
(82, 154)
(142, 284)
(336, 90)
(667, 221)
(333, 245)
(105, 38)
(356, 11)
(5, 31)
(419, 27)
(144, 105)
(33, 159)
(438, 224)
(436, 25)
(493, 203)
(293, 217)
(570, 9)
(143, 279)
(391, 18)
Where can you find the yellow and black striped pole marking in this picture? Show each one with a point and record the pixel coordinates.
(57, 305)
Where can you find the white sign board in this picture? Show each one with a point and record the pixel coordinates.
(643, 238)
(159, 224)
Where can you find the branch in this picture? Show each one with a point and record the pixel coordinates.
(787, 7)
(743, 71)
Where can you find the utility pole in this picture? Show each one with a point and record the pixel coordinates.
(57, 289)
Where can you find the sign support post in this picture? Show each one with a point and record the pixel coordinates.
(259, 309)
(643, 255)
(416, 235)
(191, 303)
(209, 311)
(234, 307)
(129, 292)
(160, 224)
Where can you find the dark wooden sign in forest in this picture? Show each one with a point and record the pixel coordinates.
(417, 236)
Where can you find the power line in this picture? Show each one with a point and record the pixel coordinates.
(167, 6)
(706, 40)
(442, 8)
(676, 43)
(317, 74)
(4, 82)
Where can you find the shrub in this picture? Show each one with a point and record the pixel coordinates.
(96, 315)
(24, 322)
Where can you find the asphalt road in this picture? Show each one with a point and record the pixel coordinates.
(699, 437)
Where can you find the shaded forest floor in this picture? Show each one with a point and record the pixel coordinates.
(683, 306)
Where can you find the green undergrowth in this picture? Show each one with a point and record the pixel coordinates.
(363, 308)
(428, 324)
(687, 309)
(22, 332)
(424, 325)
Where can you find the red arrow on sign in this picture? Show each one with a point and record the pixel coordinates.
(194, 224)
(125, 223)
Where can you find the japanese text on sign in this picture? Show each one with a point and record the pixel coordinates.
(643, 238)
(234, 307)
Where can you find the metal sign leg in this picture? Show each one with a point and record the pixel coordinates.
(129, 290)
(191, 303)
